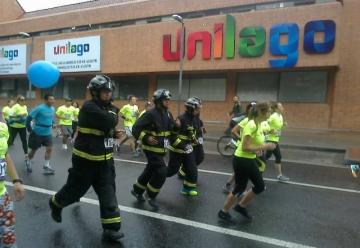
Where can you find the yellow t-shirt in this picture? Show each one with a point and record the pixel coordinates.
(276, 123)
(257, 138)
(17, 116)
(66, 115)
(130, 113)
(6, 113)
(76, 114)
(4, 136)
(241, 124)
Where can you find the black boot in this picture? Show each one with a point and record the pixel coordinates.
(112, 235)
(139, 197)
(55, 211)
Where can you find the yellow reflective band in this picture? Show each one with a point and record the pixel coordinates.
(176, 150)
(152, 189)
(189, 184)
(92, 157)
(111, 220)
(153, 149)
(55, 202)
(261, 164)
(140, 185)
(184, 137)
(181, 171)
(160, 134)
(90, 131)
(176, 142)
(142, 134)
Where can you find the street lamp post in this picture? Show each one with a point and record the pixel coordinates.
(182, 37)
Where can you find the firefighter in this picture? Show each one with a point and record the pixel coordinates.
(92, 160)
(181, 148)
(153, 129)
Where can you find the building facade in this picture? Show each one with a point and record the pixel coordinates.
(303, 53)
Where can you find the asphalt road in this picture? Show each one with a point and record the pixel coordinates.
(319, 208)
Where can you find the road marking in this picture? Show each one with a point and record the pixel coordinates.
(266, 179)
(194, 224)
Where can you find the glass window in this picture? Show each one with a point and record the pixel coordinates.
(10, 88)
(257, 86)
(307, 86)
(171, 83)
(69, 87)
(207, 87)
(131, 85)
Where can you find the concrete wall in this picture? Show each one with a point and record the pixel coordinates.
(10, 10)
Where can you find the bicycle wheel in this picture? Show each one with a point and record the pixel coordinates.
(225, 146)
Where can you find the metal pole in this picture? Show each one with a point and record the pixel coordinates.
(181, 65)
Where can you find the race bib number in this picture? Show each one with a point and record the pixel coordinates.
(166, 143)
(67, 116)
(278, 133)
(201, 140)
(2, 169)
(109, 142)
(188, 149)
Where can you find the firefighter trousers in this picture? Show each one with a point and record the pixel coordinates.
(154, 175)
(101, 176)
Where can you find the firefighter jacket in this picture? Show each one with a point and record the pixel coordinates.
(156, 122)
(96, 130)
(185, 135)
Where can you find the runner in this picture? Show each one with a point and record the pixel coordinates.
(65, 114)
(7, 213)
(244, 163)
(41, 132)
(6, 111)
(276, 123)
(130, 113)
(92, 160)
(17, 124)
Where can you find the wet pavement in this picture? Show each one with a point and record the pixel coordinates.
(319, 208)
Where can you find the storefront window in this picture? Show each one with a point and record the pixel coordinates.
(308, 86)
(299, 86)
(258, 86)
(207, 87)
(131, 85)
(69, 87)
(10, 88)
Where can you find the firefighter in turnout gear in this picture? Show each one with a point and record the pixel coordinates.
(153, 129)
(181, 147)
(92, 160)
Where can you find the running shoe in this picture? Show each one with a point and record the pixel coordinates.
(28, 165)
(47, 170)
(224, 216)
(55, 211)
(283, 179)
(139, 197)
(112, 235)
(243, 212)
(354, 170)
(190, 192)
(152, 202)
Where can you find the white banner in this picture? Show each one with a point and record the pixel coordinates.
(13, 59)
(75, 55)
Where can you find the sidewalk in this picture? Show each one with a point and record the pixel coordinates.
(308, 139)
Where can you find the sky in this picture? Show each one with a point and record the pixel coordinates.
(32, 5)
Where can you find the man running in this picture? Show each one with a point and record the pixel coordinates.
(41, 132)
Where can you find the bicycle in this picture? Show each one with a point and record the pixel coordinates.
(226, 145)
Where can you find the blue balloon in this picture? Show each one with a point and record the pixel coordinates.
(43, 74)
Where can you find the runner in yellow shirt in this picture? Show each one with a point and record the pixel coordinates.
(276, 123)
(6, 111)
(130, 113)
(245, 165)
(65, 114)
(17, 124)
(7, 219)
(75, 119)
